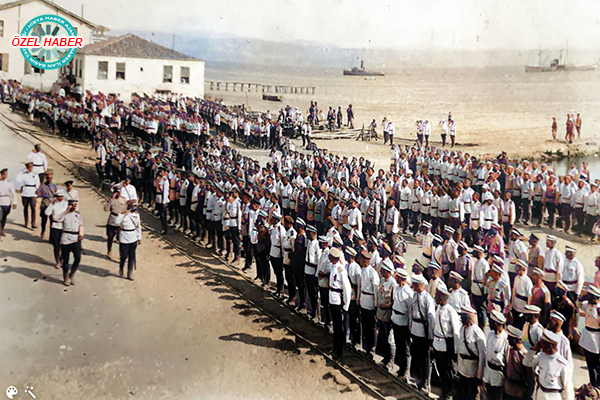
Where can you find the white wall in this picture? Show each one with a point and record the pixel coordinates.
(14, 19)
(141, 76)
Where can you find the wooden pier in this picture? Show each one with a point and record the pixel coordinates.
(258, 87)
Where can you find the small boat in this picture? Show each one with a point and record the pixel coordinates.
(271, 97)
(361, 71)
(370, 78)
(557, 65)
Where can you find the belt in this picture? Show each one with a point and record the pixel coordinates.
(38, 165)
(128, 230)
(546, 390)
(71, 232)
(468, 357)
(445, 210)
(335, 290)
(312, 265)
(367, 293)
(29, 185)
(589, 328)
(420, 320)
(495, 367)
(398, 312)
(114, 213)
(549, 270)
(570, 282)
(426, 256)
(498, 302)
(520, 296)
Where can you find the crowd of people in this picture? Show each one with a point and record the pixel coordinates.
(483, 306)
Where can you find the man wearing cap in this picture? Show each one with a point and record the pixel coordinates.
(383, 301)
(295, 275)
(116, 205)
(392, 223)
(573, 274)
(282, 237)
(445, 337)
(496, 351)
(401, 301)
(128, 191)
(421, 315)
(591, 208)
(553, 263)
(339, 300)
(488, 213)
(458, 297)
(500, 294)
(450, 251)
(567, 190)
(425, 240)
(555, 324)
(373, 215)
(404, 205)
(464, 265)
(479, 289)
(313, 253)
(535, 255)
(70, 241)
(554, 380)
(46, 193)
(518, 377)
(353, 310)
(232, 220)
(590, 337)
(28, 183)
(367, 285)
(323, 271)
(130, 237)
(521, 293)
(161, 199)
(517, 250)
(55, 211)
(8, 199)
(577, 203)
(435, 273)
(471, 352)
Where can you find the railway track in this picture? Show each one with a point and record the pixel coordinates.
(374, 379)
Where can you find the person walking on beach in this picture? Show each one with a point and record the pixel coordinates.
(578, 125)
(554, 128)
(350, 115)
(452, 133)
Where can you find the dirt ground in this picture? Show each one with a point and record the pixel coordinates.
(191, 351)
(172, 333)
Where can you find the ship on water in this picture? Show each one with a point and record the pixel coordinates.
(362, 71)
(557, 65)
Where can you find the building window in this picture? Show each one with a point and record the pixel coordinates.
(120, 71)
(1, 28)
(80, 68)
(4, 62)
(39, 70)
(185, 75)
(141, 69)
(102, 69)
(75, 30)
(168, 73)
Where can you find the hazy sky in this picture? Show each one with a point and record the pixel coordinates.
(465, 24)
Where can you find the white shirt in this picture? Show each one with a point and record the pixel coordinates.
(129, 193)
(522, 288)
(401, 302)
(338, 281)
(496, 351)
(573, 275)
(369, 284)
(553, 265)
(313, 253)
(28, 183)
(277, 234)
(471, 340)
(70, 227)
(8, 196)
(422, 309)
(446, 326)
(40, 163)
(552, 372)
(56, 211)
(130, 227)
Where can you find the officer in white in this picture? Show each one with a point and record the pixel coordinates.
(496, 351)
(130, 236)
(421, 316)
(401, 302)
(554, 382)
(70, 241)
(368, 284)
(471, 352)
(8, 199)
(339, 300)
(28, 183)
(573, 274)
(55, 211)
(445, 334)
(553, 263)
(39, 160)
(590, 337)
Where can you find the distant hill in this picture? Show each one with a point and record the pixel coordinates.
(213, 48)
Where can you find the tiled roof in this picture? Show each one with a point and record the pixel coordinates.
(132, 46)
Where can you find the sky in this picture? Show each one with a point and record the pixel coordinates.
(458, 24)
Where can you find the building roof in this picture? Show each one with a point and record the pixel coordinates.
(49, 4)
(133, 46)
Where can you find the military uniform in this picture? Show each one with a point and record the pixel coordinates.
(339, 300)
(70, 242)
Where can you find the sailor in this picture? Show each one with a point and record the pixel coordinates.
(521, 293)
(232, 220)
(590, 337)
(421, 316)
(552, 370)
(368, 284)
(573, 274)
(383, 300)
(479, 289)
(458, 297)
(280, 247)
(471, 351)
(496, 351)
(402, 298)
(28, 183)
(70, 241)
(55, 211)
(518, 377)
(354, 271)
(323, 270)
(39, 160)
(553, 263)
(445, 337)
(8, 199)
(115, 206)
(130, 237)
(339, 300)
(435, 272)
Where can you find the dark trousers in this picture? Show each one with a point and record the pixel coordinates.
(162, 214)
(339, 335)
(590, 221)
(247, 251)
(480, 305)
(354, 322)
(383, 348)
(43, 218)
(566, 211)
(507, 228)
(4, 211)
(443, 361)
(526, 209)
(127, 253)
(232, 236)
(493, 392)
(263, 272)
(593, 363)
(111, 232)
(368, 328)
(298, 271)
(290, 279)
(29, 208)
(467, 388)
(311, 288)
(518, 210)
(551, 207)
(419, 350)
(536, 211)
(277, 264)
(55, 235)
(405, 214)
(66, 250)
(402, 339)
(325, 313)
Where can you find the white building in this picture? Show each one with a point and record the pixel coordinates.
(13, 16)
(129, 64)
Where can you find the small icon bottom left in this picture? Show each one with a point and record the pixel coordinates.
(11, 391)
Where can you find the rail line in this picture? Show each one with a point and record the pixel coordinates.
(372, 378)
